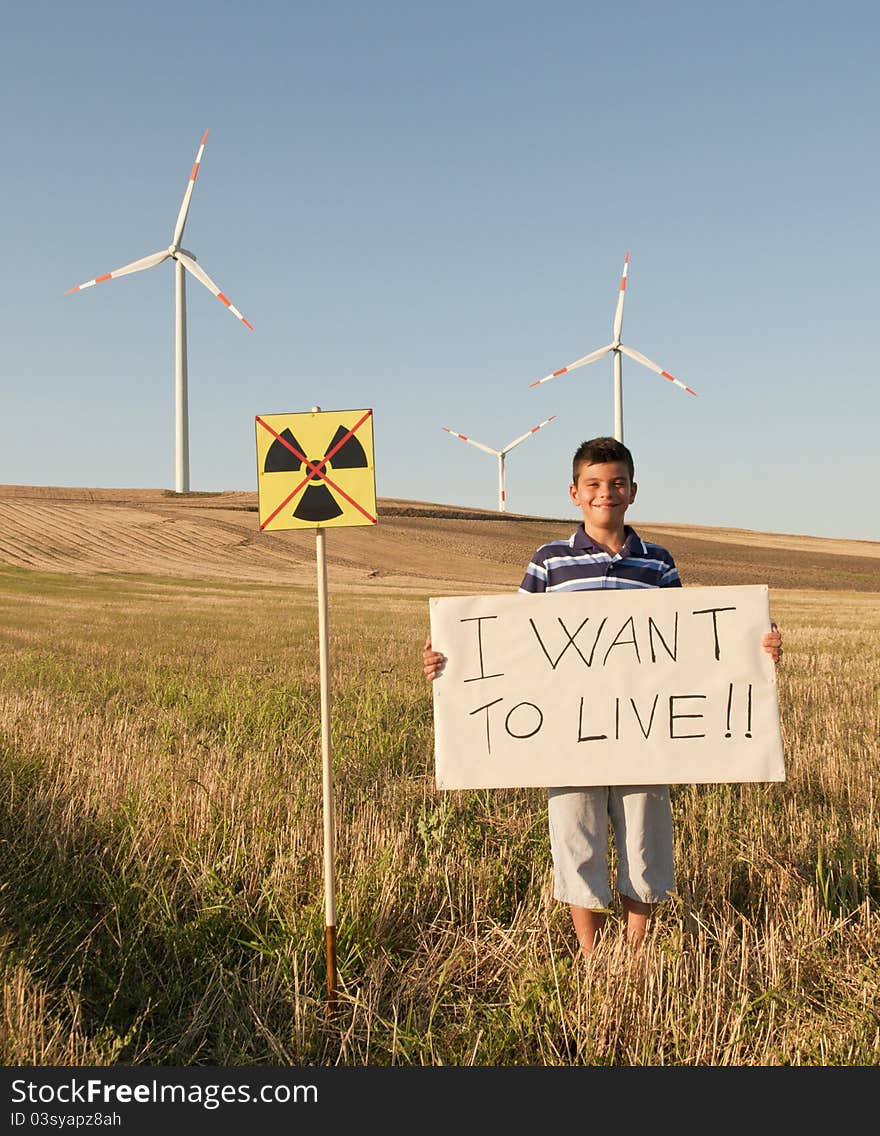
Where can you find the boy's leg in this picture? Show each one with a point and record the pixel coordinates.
(642, 820)
(588, 924)
(638, 915)
(579, 844)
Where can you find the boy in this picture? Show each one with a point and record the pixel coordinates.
(605, 552)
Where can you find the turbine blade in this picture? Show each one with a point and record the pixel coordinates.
(639, 358)
(196, 269)
(528, 434)
(465, 438)
(571, 366)
(135, 266)
(184, 205)
(621, 295)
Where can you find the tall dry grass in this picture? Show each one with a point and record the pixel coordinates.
(161, 854)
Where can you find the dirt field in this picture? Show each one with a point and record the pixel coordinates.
(415, 547)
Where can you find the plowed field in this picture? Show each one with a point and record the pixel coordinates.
(415, 547)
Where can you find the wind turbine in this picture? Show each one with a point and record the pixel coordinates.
(184, 262)
(501, 454)
(617, 348)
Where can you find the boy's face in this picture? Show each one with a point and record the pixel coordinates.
(603, 492)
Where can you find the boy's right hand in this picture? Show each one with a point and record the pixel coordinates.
(433, 662)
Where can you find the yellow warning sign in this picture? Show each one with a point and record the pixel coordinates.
(315, 470)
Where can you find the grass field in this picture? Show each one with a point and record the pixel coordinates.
(161, 846)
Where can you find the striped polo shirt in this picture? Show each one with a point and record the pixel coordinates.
(579, 564)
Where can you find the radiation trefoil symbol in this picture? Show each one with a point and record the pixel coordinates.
(315, 470)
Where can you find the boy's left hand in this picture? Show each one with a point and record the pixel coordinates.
(772, 643)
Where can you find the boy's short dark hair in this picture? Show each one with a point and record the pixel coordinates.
(598, 450)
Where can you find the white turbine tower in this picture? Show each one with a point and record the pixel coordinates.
(616, 347)
(501, 454)
(183, 262)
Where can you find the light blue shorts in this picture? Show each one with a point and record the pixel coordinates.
(641, 819)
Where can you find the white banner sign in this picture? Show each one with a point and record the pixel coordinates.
(660, 686)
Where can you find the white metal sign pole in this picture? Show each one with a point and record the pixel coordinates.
(329, 828)
(327, 765)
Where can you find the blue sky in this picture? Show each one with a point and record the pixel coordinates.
(423, 208)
